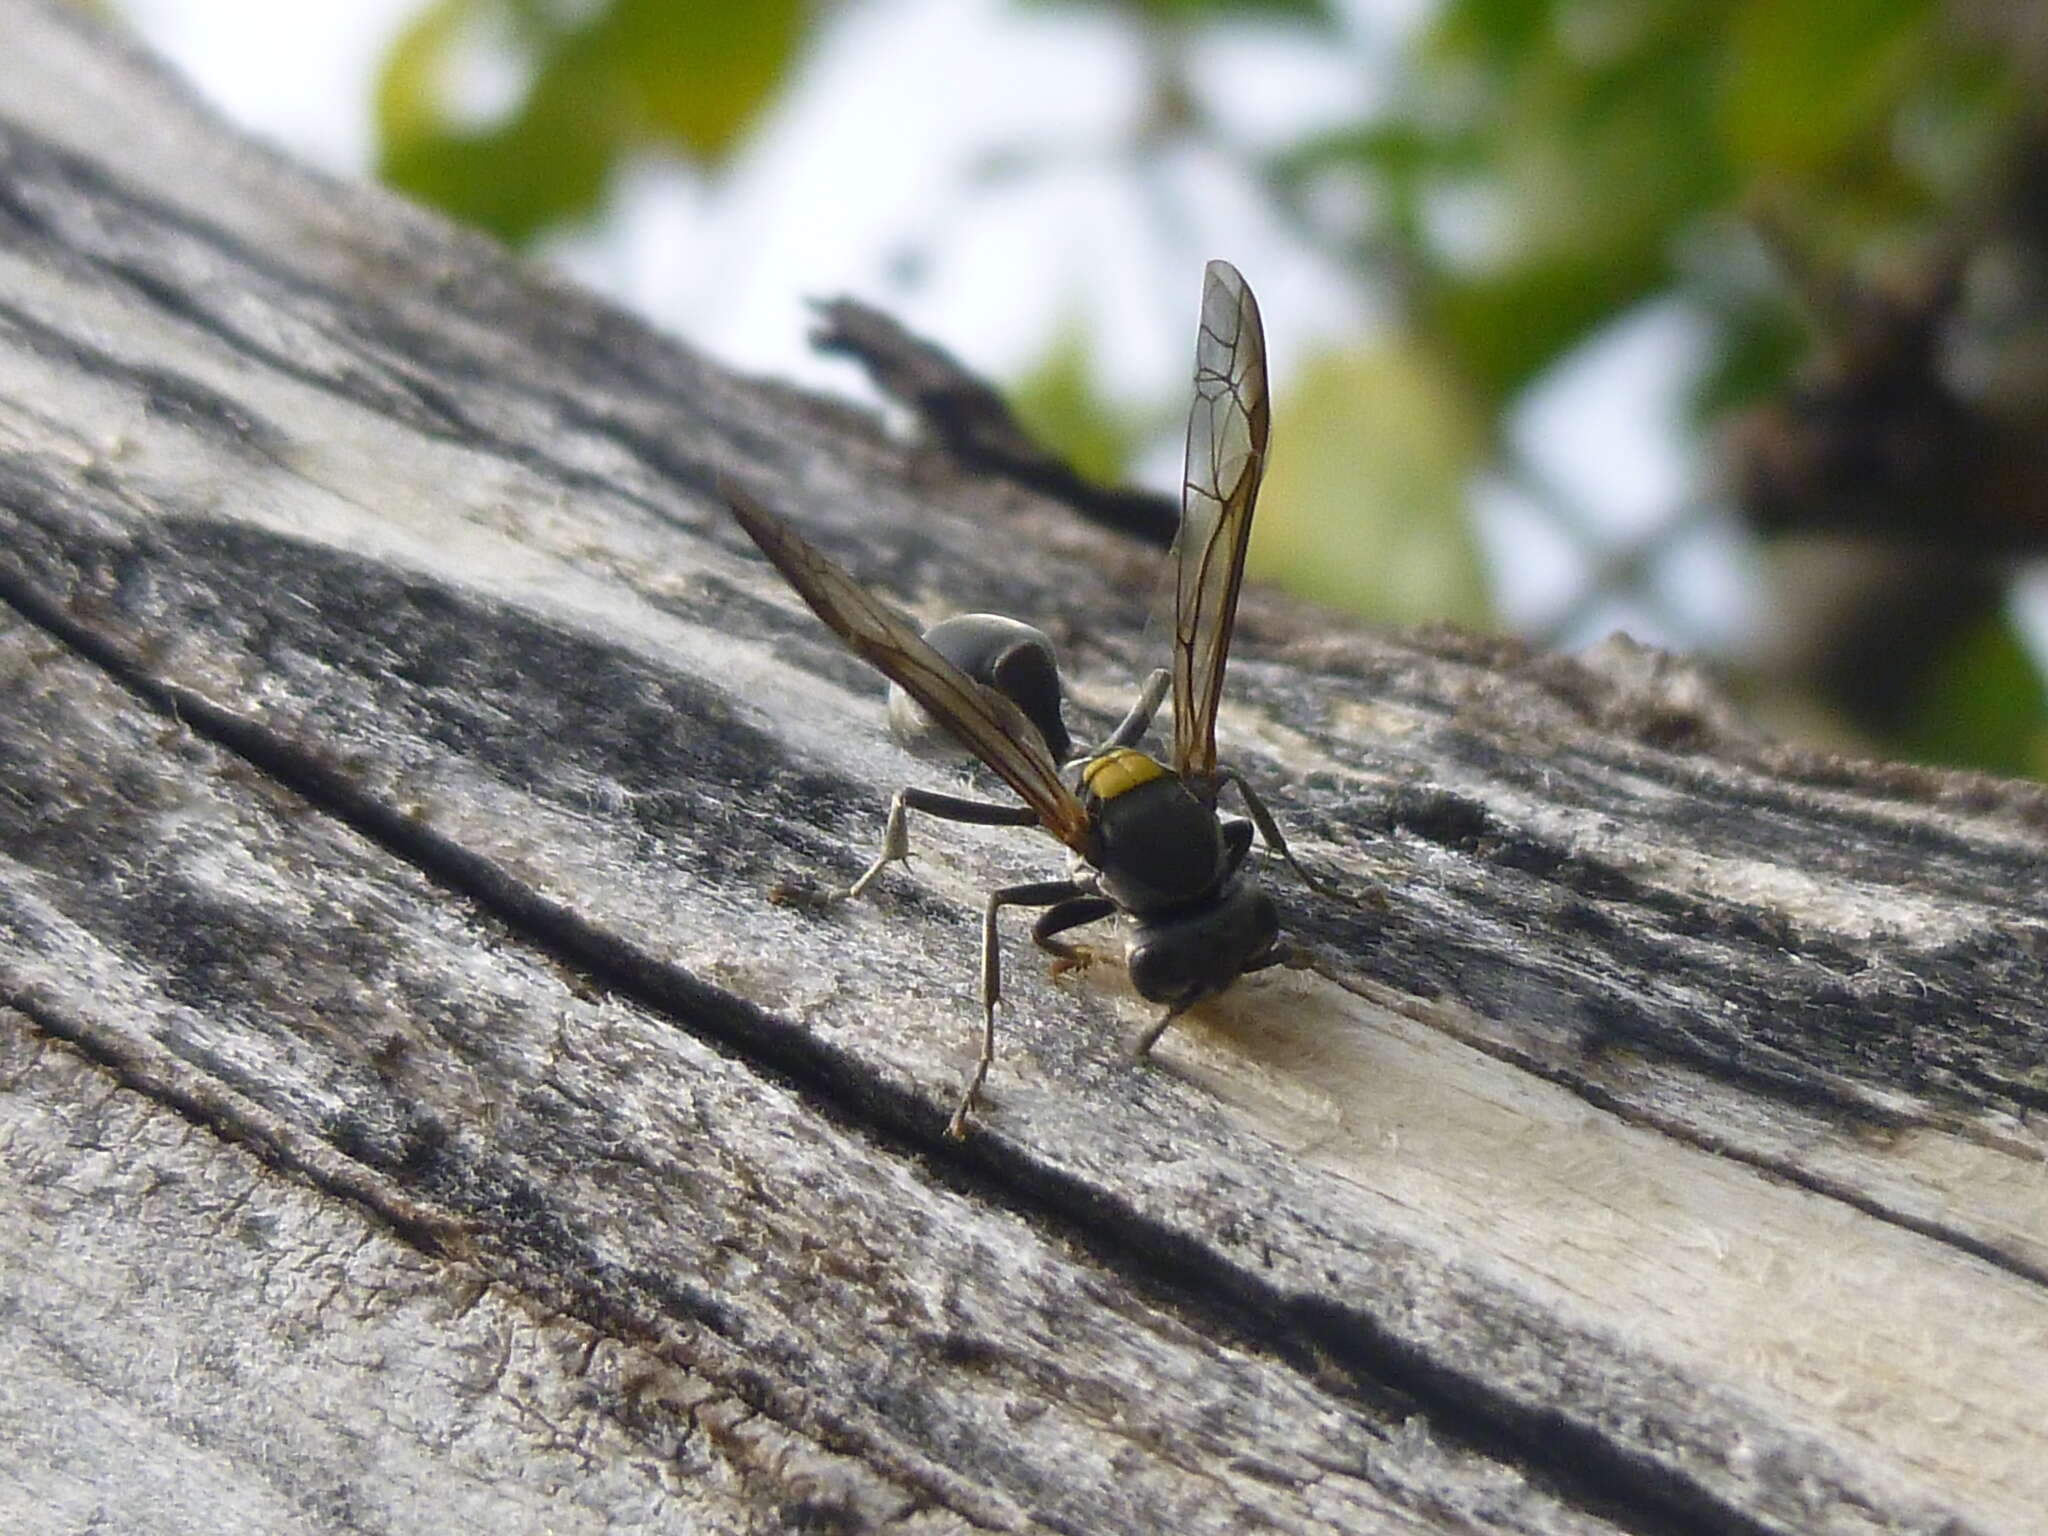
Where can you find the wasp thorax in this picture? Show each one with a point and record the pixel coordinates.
(1157, 846)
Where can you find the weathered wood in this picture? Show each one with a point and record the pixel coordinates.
(425, 1108)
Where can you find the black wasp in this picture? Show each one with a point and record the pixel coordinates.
(1148, 844)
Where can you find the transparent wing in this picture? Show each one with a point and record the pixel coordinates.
(1226, 455)
(984, 721)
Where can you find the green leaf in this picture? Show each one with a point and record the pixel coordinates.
(1364, 504)
(546, 164)
(1199, 10)
(699, 74)
(1502, 31)
(408, 98)
(1505, 329)
(1982, 706)
(1058, 404)
(1810, 82)
(602, 82)
(1589, 146)
(1755, 350)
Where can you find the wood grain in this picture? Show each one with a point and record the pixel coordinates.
(431, 1103)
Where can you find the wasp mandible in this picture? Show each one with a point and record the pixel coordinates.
(1148, 844)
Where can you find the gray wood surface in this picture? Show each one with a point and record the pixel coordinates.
(430, 1099)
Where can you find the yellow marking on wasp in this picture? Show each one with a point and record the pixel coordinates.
(1111, 773)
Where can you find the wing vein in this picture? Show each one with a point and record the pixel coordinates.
(1226, 454)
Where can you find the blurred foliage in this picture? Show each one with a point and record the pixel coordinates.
(1593, 139)
(1981, 703)
(1058, 402)
(596, 83)
(1184, 11)
(1364, 504)
(1543, 169)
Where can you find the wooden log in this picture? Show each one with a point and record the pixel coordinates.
(430, 1102)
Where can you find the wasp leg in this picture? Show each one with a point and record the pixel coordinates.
(1269, 831)
(1151, 1036)
(1043, 893)
(896, 835)
(1138, 720)
(1069, 914)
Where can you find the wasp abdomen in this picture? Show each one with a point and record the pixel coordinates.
(1011, 657)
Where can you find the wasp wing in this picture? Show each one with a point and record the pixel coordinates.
(988, 724)
(1226, 455)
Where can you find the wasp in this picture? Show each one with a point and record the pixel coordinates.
(1147, 841)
